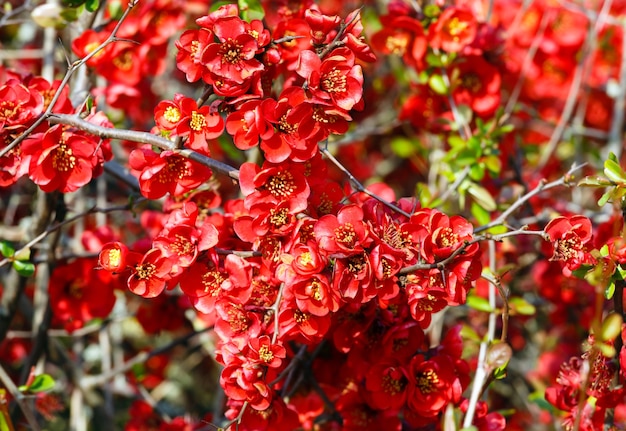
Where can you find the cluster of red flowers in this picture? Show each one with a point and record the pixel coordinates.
(320, 264)
(55, 158)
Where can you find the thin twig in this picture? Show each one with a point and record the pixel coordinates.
(542, 186)
(357, 185)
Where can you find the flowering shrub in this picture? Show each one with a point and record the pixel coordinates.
(271, 215)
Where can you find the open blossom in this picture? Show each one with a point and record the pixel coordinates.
(63, 160)
(166, 172)
(335, 80)
(454, 29)
(569, 236)
(233, 56)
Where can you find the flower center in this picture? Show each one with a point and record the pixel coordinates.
(197, 121)
(145, 270)
(63, 159)
(427, 381)
(172, 114)
(281, 185)
(212, 281)
(397, 44)
(346, 235)
(334, 82)
(231, 52)
(266, 354)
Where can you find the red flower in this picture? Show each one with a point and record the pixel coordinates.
(190, 47)
(387, 385)
(18, 105)
(477, 85)
(63, 160)
(403, 36)
(78, 293)
(433, 385)
(335, 80)
(166, 172)
(233, 57)
(149, 276)
(265, 353)
(274, 183)
(344, 234)
(454, 29)
(569, 235)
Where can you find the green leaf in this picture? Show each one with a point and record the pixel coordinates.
(432, 10)
(481, 215)
(605, 198)
(478, 303)
(611, 327)
(251, 10)
(41, 383)
(477, 171)
(614, 172)
(594, 181)
(482, 197)
(434, 60)
(437, 84)
(521, 306)
(610, 290)
(403, 147)
(4, 425)
(92, 5)
(25, 269)
(6, 249)
(493, 164)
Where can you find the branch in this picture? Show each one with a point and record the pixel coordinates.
(542, 186)
(143, 138)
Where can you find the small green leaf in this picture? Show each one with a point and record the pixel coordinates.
(4, 425)
(432, 10)
(605, 198)
(478, 303)
(481, 215)
(25, 269)
(493, 164)
(609, 291)
(403, 147)
(251, 10)
(521, 306)
(611, 327)
(92, 5)
(594, 181)
(41, 383)
(437, 84)
(6, 249)
(434, 60)
(482, 197)
(614, 172)
(477, 171)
